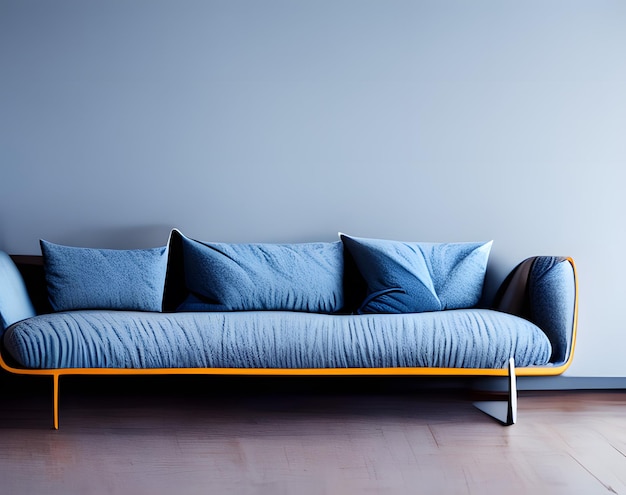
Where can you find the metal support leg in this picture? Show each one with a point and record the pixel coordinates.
(504, 411)
(55, 402)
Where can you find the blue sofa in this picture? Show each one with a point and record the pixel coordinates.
(353, 307)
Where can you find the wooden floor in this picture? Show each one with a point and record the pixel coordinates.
(234, 436)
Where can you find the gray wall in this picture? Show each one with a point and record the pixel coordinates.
(267, 120)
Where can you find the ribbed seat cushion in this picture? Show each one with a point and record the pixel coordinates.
(467, 338)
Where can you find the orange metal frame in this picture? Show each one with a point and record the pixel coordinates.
(449, 372)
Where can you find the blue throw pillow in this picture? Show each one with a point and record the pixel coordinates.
(278, 277)
(412, 277)
(85, 278)
(15, 305)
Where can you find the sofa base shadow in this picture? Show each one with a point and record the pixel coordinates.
(504, 412)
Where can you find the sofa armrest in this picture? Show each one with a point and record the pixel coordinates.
(544, 290)
(15, 304)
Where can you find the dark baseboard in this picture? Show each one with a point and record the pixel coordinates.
(553, 383)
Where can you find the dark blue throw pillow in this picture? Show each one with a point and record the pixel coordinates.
(86, 278)
(239, 277)
(412, 277)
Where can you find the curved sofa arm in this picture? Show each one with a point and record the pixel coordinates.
(544, 290)
(15, 303)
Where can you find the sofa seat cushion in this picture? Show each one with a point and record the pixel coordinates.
(469, 338)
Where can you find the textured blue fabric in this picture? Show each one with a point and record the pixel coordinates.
(409, 277)
(466, 338)
(542, 289)
(85, 278)
(15, 305)
(237, 277)
(552, 296)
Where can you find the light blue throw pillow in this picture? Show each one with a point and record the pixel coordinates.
(86, 278)
(412, 277)
(15, 304)
(278, 277)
